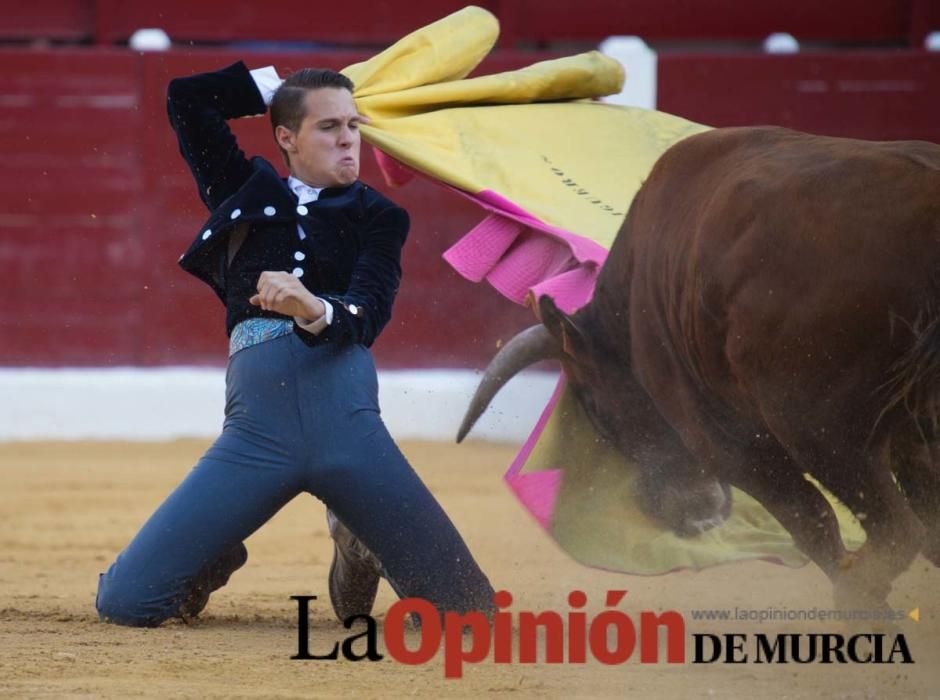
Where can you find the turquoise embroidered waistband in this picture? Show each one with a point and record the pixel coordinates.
(252, 331)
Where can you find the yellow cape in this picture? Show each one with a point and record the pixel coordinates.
(526, 134)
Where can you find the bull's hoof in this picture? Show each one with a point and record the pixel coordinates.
(847, 562)
(863, 611)
(852, 595)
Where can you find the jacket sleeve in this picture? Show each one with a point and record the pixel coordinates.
(361, 313)
(198, 107)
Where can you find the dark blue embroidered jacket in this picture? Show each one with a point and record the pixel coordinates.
(351, 254)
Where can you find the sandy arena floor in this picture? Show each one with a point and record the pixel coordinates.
(66, 509)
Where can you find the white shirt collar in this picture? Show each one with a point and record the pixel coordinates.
(305, 193)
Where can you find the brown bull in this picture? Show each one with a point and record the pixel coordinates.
(771, 308)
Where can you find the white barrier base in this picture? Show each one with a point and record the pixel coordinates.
(178, 402)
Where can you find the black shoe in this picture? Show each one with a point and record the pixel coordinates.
(354, 573)
(210, 579)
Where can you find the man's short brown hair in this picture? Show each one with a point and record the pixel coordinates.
(287, 106)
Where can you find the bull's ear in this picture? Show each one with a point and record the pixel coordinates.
(562, 327)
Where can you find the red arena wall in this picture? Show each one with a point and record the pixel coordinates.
(96, 205)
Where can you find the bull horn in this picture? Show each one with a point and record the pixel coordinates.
(526, 348)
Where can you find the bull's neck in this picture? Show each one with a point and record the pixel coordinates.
(606, 324)
(640, 432)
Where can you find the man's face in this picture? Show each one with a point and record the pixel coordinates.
(324, 151)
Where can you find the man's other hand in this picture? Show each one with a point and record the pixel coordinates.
(283, 293)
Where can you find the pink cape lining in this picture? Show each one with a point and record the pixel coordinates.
(509, 249)
(523, 258)
(516, 252)
(538, 491)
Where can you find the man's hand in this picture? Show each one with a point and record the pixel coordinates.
(283, 293)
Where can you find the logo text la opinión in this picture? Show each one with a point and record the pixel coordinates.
(611, 637)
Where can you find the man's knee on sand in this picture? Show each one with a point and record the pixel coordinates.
(126, 599)
(121, 603)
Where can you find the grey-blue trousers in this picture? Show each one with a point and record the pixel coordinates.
(297, 418)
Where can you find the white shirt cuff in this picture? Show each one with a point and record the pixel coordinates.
(267, 81)
(316, 326)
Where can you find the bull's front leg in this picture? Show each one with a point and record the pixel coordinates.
(771, 476)
(895, 534)
(915, 460)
